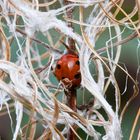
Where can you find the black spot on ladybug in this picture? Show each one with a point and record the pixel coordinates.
(77, 62)
(77, 76)
(58, 66)
(63, 78)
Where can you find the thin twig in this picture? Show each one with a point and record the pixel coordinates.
(125, 40)
(69, 13)
(40, 42)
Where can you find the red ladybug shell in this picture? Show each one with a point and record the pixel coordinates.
(68, 70)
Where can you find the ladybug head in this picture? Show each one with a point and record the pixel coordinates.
(67, 70)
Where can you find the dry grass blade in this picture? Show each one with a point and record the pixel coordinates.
(136, 28)
(4, 109)
(7, 45)
(138, 5)
(41, 4)
(32, 129)
(14, 95)
(125, 40)
(56, 112)
(75, 115)
(134, 124)
(97, 55)
(39, 33)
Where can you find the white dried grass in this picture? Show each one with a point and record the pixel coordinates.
(27, 89)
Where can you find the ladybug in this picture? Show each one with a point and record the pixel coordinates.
(67, 70)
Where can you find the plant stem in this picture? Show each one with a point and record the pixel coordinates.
(71, 102)
(69, 13)
(71, 98)
(71, 92)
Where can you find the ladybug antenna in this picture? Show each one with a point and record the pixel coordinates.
(67, 47)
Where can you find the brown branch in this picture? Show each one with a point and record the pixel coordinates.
(71, 92)
(71, 98)
(69, 14)
(71, 102)
(40, 42)
(125, 40)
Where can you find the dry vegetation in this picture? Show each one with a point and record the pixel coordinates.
(26, 83)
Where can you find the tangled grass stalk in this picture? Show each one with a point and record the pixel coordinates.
(27, 82)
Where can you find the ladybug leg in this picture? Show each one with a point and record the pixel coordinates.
(87, 106)
(53, 70)
(67, 83)
(39, 70)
